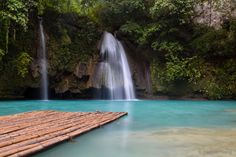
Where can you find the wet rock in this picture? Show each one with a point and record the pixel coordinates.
(78, 81)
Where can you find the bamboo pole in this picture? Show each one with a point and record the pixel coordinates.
(27, 133)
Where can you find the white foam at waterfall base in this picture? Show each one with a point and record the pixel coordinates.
(113, 72)
(43, 63)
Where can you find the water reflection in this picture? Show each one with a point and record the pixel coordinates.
(152, 128)
(125, 123)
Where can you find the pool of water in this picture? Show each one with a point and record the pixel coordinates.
(152, 128)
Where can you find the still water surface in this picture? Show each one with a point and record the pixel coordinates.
(152, 128)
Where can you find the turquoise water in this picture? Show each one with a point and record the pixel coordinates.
(152, 128)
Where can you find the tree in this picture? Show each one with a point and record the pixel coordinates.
(14, 11)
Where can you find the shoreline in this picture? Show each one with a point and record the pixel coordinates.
(139, 98)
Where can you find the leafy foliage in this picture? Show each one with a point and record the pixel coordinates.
(180, 51)
(217, 42)
(22, 63)
(16, 11)
(170, 9)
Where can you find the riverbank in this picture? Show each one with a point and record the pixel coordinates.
(147, 97)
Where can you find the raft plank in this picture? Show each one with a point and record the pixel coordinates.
(28, 133)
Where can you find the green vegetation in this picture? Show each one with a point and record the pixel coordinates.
(187, 58)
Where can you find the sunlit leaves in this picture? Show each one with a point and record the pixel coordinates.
(22, 64)
(141, 33)
(181, 10)
(169, 47)
(16, 11)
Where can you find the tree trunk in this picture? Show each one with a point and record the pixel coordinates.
(7, 25)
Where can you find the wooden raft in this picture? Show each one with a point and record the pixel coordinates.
(27, 133)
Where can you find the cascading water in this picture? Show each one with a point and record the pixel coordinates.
(113, 75)
(43, 62)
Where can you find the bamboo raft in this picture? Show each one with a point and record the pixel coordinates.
(27, 133)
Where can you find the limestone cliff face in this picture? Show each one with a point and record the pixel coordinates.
(140, 70)
(80, 83)
(77, 81)
(214, 12)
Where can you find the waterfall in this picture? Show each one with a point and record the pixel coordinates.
(113, 74)
(43, 63)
